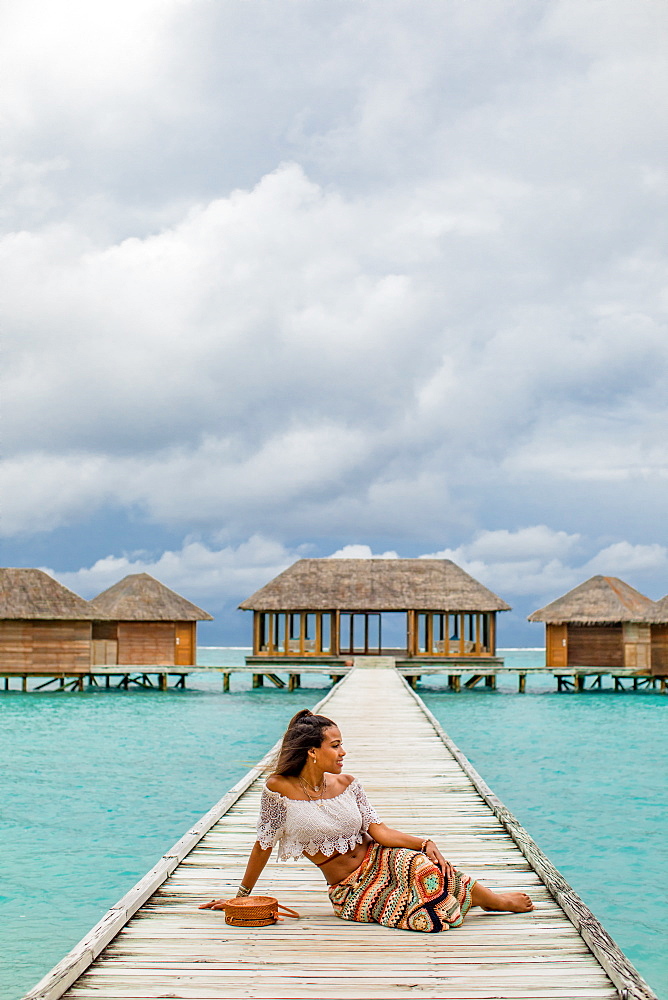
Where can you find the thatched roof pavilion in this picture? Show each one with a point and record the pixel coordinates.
(333, 607)
(141, 621)
(604, 622)
(44, 627)
(31, 594)
(374, 585)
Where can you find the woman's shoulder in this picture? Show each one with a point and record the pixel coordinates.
(278, 784)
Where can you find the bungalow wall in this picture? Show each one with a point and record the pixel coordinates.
(595, 646)
(659, 642)
(615, 646)
(44, 647)
(146, 643)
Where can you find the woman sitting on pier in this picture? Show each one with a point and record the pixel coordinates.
(375, 874)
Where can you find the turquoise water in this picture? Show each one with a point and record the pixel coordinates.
(97, 785)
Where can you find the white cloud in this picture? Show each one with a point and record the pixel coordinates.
(539, 560)
(196, 570)
(361, 552)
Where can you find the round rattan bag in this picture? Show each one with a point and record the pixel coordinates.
(254, 911)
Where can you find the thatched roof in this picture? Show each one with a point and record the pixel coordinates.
(374, 585)
(31, 593)
(602, 600)
(140, 598)
(662, 607)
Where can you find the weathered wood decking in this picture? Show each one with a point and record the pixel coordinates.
(419, 782)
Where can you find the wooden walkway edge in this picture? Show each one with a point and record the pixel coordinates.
(172, 949)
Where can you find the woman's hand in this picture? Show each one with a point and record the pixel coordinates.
(436, 858)
(215, 904)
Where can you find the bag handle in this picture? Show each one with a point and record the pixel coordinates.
(290, 913)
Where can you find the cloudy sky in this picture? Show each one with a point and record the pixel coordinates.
(288, 278)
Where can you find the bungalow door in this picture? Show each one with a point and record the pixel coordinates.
(184, 644)
(556, 641)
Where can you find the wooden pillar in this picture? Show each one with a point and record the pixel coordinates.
(80, 683)
(107, 680)
(477, 633)
(579, 682)
(492, 632)
(162, 682)
(293, 681)
(662, 685)
(410, 630)
(6, 683)
(490, 681)
(336, 636)
(258, 680)
(226, 680)
(24, 683)
(522, 683)
(256, 632)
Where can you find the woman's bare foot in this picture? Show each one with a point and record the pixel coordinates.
(511, 902)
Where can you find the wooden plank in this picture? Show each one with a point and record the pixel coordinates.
(171, 948)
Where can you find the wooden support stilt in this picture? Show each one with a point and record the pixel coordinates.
(293, 681)
(80, 683)
(24, 683)
(162, 680)
(181, 683)
(275, 679)
(226, 681)
(258, 680)
(662, 685)
(472, 681)
(579, 682)
(51, 680)
(107, 681)
(6, 683)
(522, 683)
(126, 681)
(456, 682)
(490, 681)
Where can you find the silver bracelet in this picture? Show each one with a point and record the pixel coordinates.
(243, 891)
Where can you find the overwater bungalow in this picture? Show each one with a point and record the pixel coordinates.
(44, 627)
(331, 609)
(604, 622)
(140, 621)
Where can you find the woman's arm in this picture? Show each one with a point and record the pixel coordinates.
(256, 862)
(387, 837)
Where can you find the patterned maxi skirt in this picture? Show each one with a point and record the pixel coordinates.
(397, 887)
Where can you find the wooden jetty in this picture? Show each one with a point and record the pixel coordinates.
(156, 943)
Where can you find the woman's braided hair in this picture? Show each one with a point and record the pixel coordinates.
(305, 730)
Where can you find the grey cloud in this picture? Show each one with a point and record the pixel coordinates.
(312, 268)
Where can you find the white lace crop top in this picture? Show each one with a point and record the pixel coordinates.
(326, 825)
